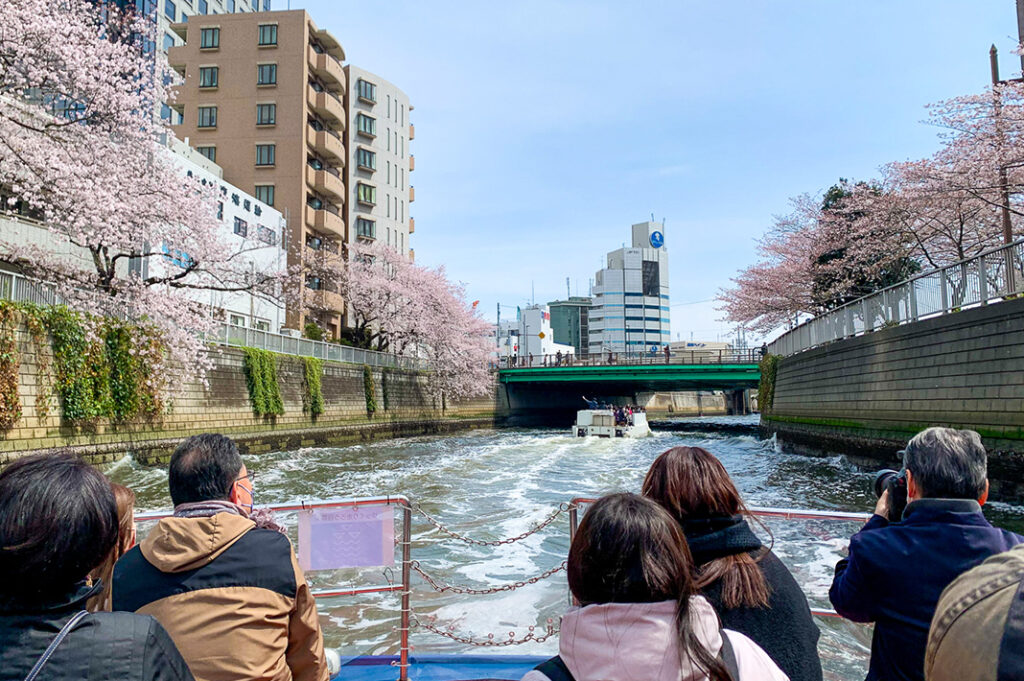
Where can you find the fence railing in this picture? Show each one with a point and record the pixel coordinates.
(21, 289)
(716, 356)
(988, 277)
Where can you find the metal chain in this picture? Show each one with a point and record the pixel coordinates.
(562, 508)
(512, 586)
(428, 623)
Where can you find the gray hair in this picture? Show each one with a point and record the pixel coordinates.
(947, 463)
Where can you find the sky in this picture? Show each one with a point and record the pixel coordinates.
(545, 129)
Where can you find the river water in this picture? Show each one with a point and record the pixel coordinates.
(493, 484)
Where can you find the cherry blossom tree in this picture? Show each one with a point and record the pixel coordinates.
(83, 148)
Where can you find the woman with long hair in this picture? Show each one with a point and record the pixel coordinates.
(744, 580)
(640, 616)
(125, 499)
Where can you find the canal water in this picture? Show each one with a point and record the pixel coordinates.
(493, 484)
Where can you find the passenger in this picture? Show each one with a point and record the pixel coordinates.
(125, 499)
(58, 520)
(896, 572)
(753, 592)
(977, 633)
(230, 593)
(641, 616)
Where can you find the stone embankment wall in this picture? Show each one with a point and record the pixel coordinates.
(223, 406)
(687, 404)
(868, 395)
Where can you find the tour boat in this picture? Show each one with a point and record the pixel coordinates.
(601, 423)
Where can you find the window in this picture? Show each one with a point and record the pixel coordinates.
(208, 152)
(241, 227)
(314, 242)
(367, 91)
(265, 154)
(266, 5)
(204, 7)
(389, 106)
(170, 10)
(314, 283)
(366, 193)
(230, 5)
(366, 125)
(314, 203)
(388, 136)
(266, 235)
(207, 117)
(366, 159)
(265, 193)
(266, 74)
(220, 210)
(261, 325)
(168, 41)
(651, 278)
(209, 38)
(366, 228)
(236, 320)
(255, 5)
(208, 76)
(402, 119)
(266, 114)
(268, 34)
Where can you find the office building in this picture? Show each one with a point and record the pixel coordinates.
(570, 322)
(379, 162)
(263, 98)
(630, 313)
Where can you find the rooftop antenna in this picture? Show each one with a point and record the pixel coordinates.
(652, 216)
(533, 294)
(568, 292)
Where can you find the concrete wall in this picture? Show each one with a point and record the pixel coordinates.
(685, 404)
(868, 395)
(223, 406)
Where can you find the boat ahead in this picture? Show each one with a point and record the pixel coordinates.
(603, 423)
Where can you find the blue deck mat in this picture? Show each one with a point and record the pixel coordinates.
(439, 667)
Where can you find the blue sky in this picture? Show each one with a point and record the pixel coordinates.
(544, 129)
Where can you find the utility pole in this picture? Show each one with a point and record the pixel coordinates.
(1020, 31)
(1004, 192)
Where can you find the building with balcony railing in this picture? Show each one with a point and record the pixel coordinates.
(264, 98)
(379, 161)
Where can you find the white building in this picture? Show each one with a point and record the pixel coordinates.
(536, 339)
(379, 162)
(630, 313)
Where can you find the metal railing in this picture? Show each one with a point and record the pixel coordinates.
(21, 289)
(758, 511)
(723, 356)
(991, 276)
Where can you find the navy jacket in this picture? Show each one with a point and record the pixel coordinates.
(895, 573)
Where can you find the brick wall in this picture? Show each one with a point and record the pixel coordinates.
(223, 406)
(868, 395)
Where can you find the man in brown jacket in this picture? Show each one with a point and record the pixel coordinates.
(230, 594)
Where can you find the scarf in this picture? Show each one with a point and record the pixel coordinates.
(262, 517)
(719, 536)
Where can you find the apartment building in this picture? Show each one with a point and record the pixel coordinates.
(263, 98)
(379, 161)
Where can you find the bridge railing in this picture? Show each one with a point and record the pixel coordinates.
(724, 356)
(989, 277)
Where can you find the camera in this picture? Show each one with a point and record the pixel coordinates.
(896, 483)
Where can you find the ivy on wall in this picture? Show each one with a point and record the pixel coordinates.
(384, 389)
(369, 391)
(261, 379)
(766, 387)
(313, 401)
(81, 371)
(10, 402)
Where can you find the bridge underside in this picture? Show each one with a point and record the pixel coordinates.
(553, 394)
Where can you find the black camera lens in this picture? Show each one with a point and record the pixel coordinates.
(882, 479)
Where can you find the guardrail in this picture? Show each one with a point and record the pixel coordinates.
(746, 356)
(21, 289)
(991, 276)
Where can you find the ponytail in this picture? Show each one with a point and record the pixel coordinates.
(743, 583)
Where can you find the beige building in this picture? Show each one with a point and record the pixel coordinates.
(379, 162)
(263, 98)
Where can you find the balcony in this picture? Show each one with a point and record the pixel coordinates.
(412, 132)
(412, 193)
(412, 163)
(326, 183)
(326, 105)
(412, 255)
(412, 225)
(327, 144)
(325, 221)
(177, 58)
(327, 69)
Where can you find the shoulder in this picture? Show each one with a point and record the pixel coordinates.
(122, 626)
(752, 662)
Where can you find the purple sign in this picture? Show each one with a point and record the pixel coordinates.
(357, 536)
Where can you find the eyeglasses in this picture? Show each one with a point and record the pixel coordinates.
(249, 475)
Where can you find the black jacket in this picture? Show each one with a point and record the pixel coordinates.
(104, 646)
(785, 629)
(896, 572)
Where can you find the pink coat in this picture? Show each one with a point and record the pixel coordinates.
(638, 642)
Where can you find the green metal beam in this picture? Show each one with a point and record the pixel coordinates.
(667, 375)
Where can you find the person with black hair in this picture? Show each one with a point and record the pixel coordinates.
(640, 615)
(896, 571)
(228, 589)
(58, 521)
